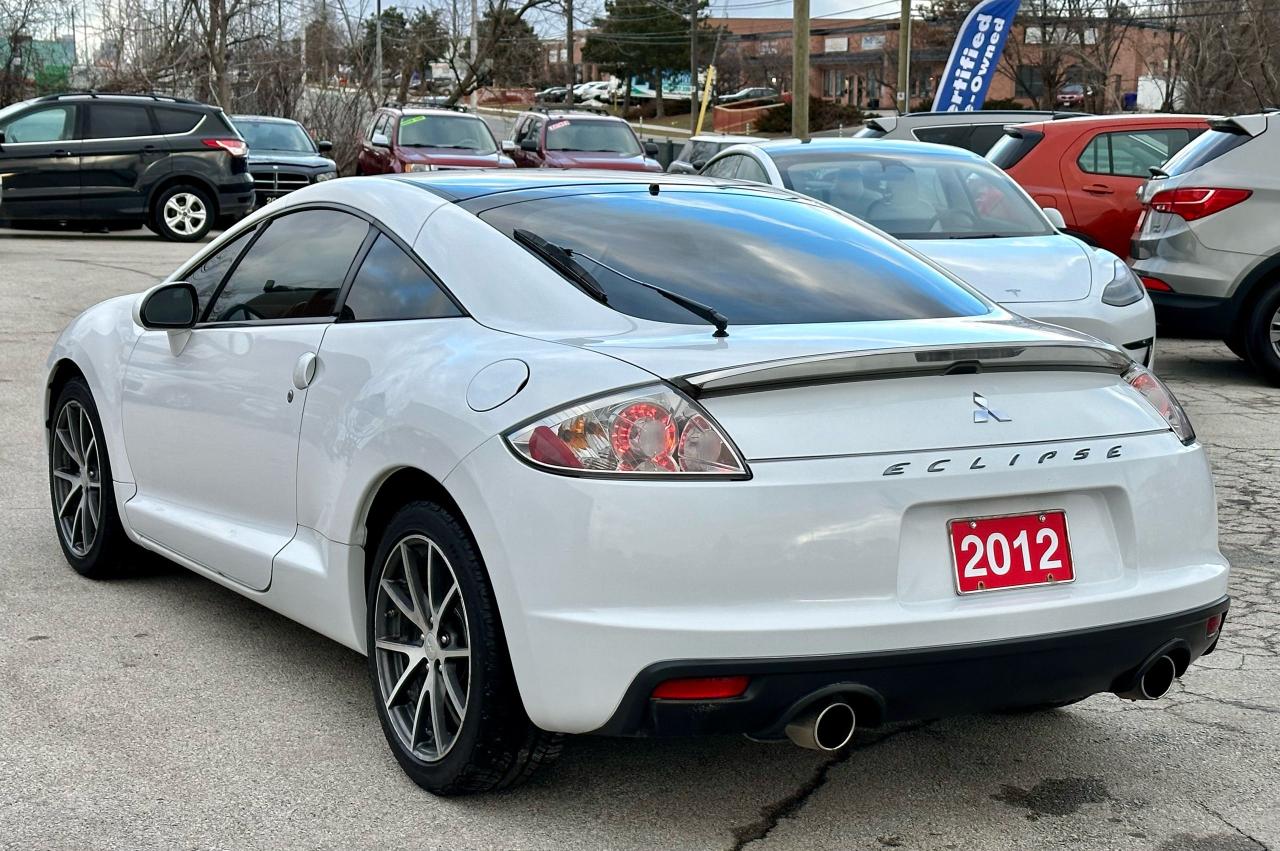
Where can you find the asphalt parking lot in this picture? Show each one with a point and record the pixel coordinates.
(165, 712)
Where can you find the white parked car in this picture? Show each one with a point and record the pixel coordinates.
(571, 452)
(962, 212)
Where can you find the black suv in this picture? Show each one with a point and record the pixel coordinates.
(116, 161)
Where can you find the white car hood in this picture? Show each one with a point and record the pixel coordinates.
(1016, 270)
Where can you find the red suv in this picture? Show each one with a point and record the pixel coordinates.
(1090, 169)
(565, 139)
(421, 139)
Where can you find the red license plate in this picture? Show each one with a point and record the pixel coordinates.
(1012, 551)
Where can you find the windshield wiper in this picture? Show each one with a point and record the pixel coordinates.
(561, 261)
(697, 308)
(978, 236)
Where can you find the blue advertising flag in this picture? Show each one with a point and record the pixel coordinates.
(963, 85)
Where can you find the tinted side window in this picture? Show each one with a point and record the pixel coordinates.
(1131, 153)
(390, 285)
(208, 275)
(43, 125)
(956, 134)
(984, 136)
(294, 270)
(749, 169)
(726, 167)
(176, 120)
(1207, 148)
(118, 120)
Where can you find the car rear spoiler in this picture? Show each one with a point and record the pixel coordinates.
(1249, 125)
(908, 362)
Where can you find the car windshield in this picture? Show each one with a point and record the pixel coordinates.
(916, 197)
(758, 259)
(612, 137)
(275, 136)
(464, 132)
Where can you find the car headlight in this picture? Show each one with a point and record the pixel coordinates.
(410, 167)
(1125, 288)
(326, 175)
(647, 431)
(1159, 397)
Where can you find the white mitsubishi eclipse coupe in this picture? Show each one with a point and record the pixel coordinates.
(636, 455)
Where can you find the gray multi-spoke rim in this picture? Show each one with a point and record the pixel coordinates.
(185, 213)
(1275, 332)
(422, 647)
(77, 478)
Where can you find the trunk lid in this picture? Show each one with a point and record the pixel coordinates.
(1014, 270)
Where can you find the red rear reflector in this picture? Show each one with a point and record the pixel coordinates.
(701, 688)
(545, 446)
(1192, 203)
(1155, 284)
(1212, 625)
(235, 147)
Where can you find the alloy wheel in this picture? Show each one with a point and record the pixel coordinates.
(77, 478)
(1274, 331)
(423, 648)
(185, 213)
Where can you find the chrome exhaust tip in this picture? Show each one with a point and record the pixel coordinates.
(1154, 681)
(827, 729)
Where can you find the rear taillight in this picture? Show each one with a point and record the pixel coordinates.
(235, 147)
(1155, 284)
(701, 688)
(1195, 203)
(652, 430)
(1165, 403)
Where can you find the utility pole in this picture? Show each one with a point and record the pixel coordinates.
(693, 66)
(904, 59)
(377, 48)
(475, 53)
(570, 69)
(800, 70)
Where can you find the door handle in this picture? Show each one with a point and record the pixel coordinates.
(304, 370)
(1099, 189)
(61, 152)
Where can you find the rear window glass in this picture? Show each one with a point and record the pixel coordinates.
(758, 259)
(1205, 148)
(956, 135)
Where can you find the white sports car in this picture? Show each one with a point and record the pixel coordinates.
(636, 455)
(968, 216)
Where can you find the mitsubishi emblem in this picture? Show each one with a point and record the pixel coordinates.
(985, 412)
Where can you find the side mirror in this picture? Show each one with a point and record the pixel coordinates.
(1054, 215)
(168, 307)
(678, 167)
(324, 146)
(508, 146)
(1, 137)
(698, 165)
(530, 145)
(381, 140)
(650, 149)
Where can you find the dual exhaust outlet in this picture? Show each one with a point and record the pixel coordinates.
(830, 726)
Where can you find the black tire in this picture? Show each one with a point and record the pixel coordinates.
(1264, 352)
(111, 552)
(494, 745)
(1236, 344)
(185, 196)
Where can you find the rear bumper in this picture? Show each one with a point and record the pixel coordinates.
(916, 684)
(236, 199)
(1194, 315)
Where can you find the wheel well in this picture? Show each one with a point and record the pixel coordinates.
(1253, 289)
(63, 371)
(179, 180)
(400, 488)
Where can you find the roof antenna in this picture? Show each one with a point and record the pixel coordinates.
(653, 189)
